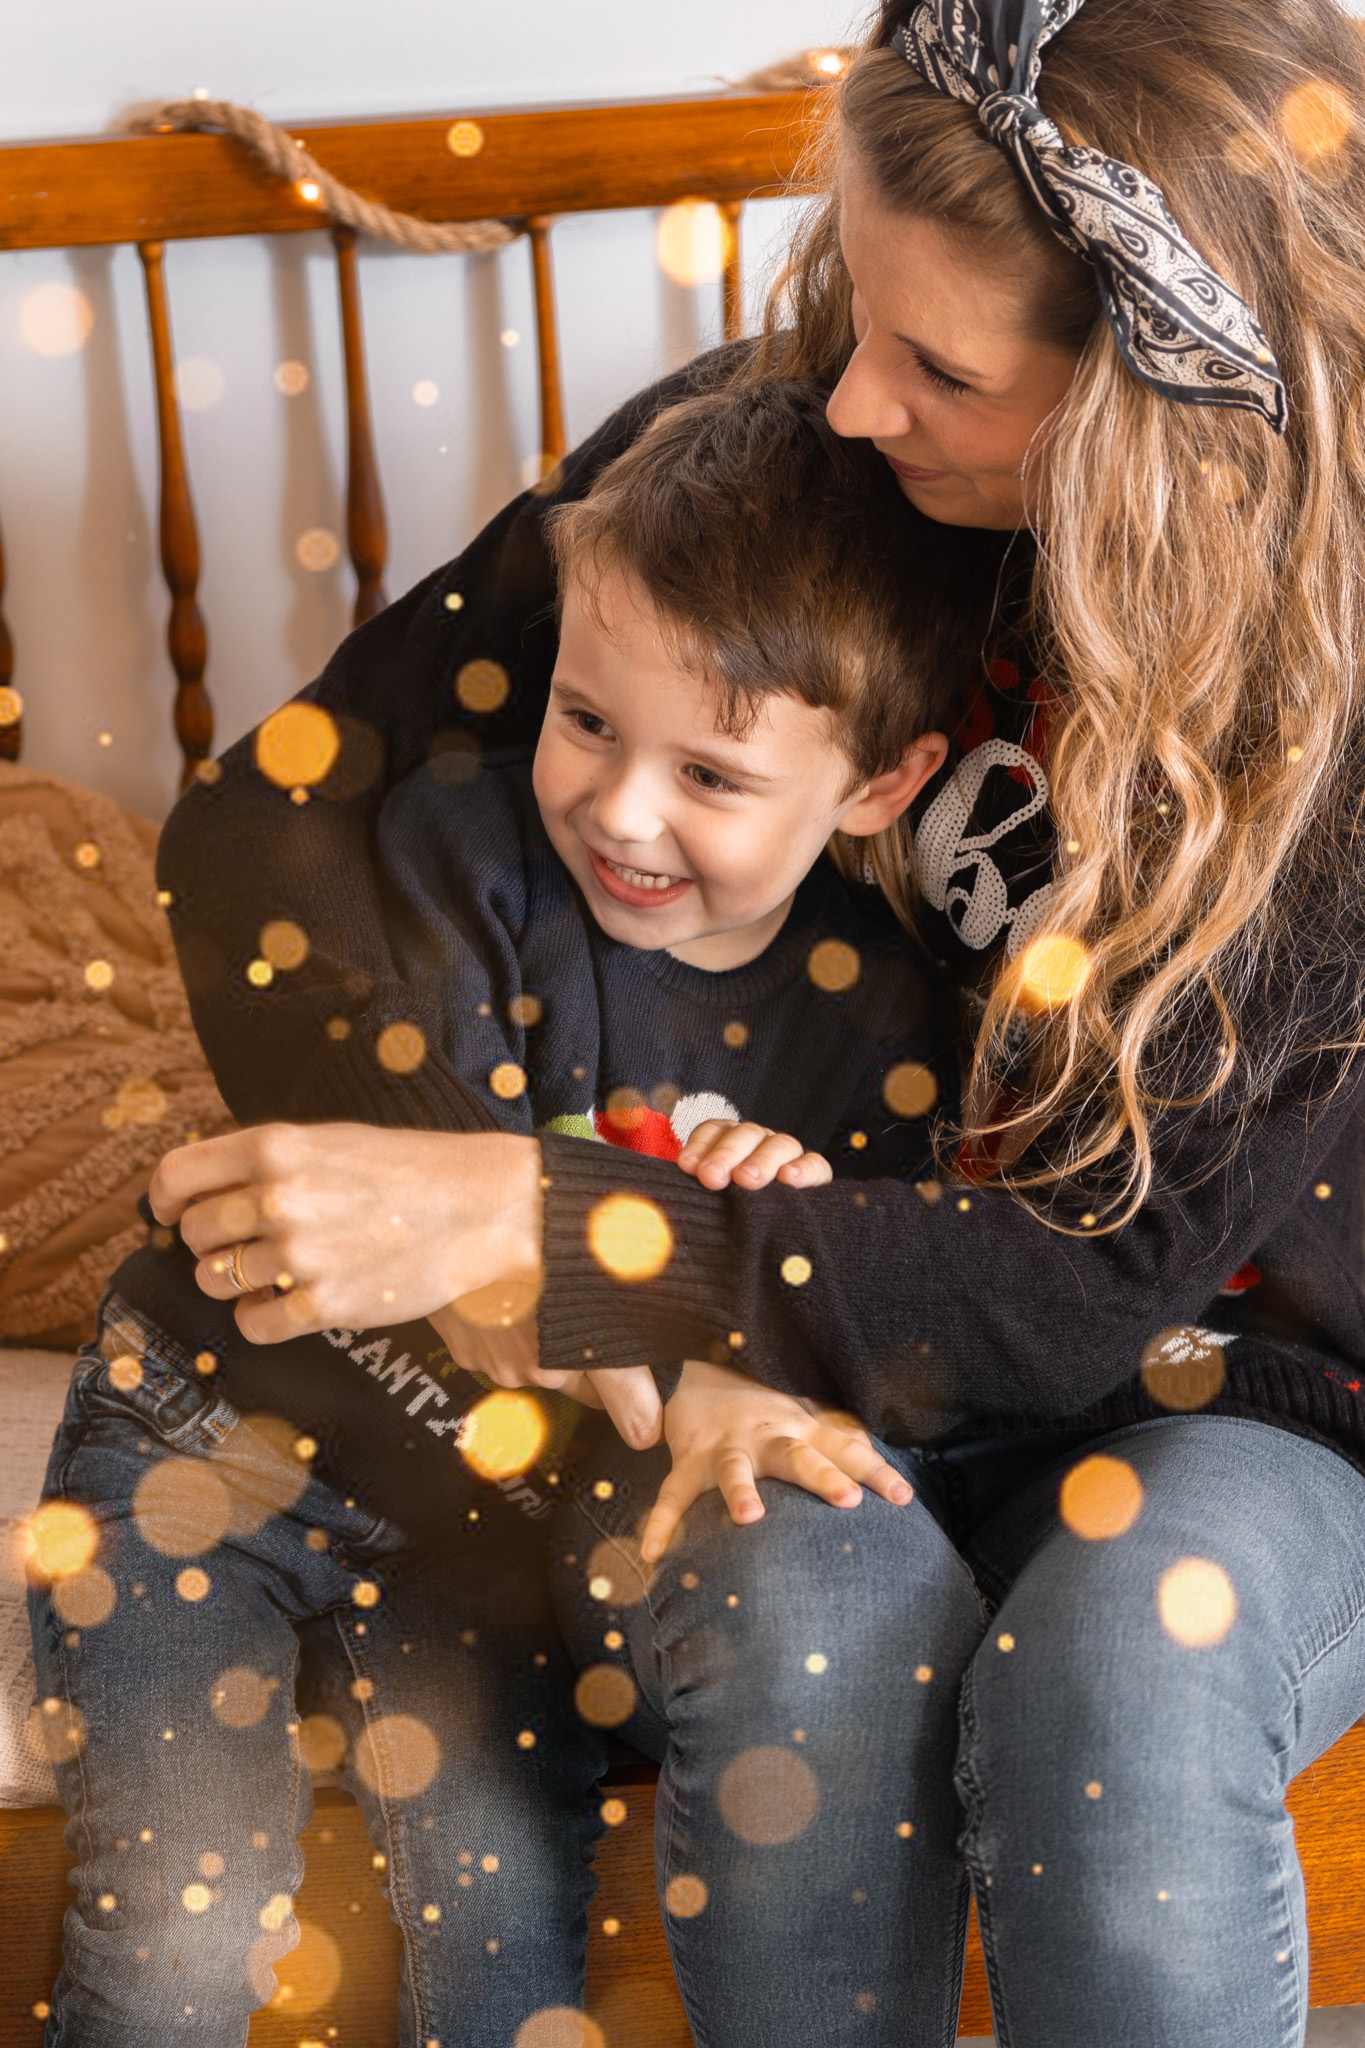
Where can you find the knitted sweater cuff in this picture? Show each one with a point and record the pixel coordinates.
(589, 1317)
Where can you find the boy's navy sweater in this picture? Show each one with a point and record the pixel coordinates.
(926, 1318)
(549, 1022)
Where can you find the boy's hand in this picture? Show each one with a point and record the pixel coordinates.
(751, 1156)
(508, 1355)
(726, 1430)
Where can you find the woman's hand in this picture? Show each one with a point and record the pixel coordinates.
(360, 1227)
(752, 1156)
(726, 1430)
(504, 1351)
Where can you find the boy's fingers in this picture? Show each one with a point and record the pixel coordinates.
(855, 1456)
(631, 1398)
(683, 1485)
(733, 1144)
(776, 1150)
(811, 1170)
(701, 1139)
(800, 1464)
(735, 1478)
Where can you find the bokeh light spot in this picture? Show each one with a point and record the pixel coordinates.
(686, 1896)
(426, 391)
(365, 1593)
(239, 1697)
(99, 975)
(1196, 1602)
(1316, 120)
(691, 242)
(181, 1507)
(259, 973)
(736, 1035)
(1053, 970)
(910, 1090)
(56, 1730)
(482, 686)
(614, 1812)
(317, 549)
(504, 1434)
(1100, 1497)
(507, 1081)
(767, 1795)
(629, 1236)
(526, 1011)
(11, 705)
(60, 1539)
(401, 1048)
(397, 1755)
(817, 1662)
(193, 1584)
(464, 138)
(1183, 1368)
(833, 965)
(615, 1571)
(604, 1696)
(55, 319)
(196, 1898)
(199, 383)
(297, 745)
(796, 1269)
(292, 378)
(284, 944)
(85, 1599)
(322, 1742)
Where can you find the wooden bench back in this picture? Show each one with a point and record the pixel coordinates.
(524, 167)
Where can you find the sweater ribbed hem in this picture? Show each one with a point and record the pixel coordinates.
(589, 1318)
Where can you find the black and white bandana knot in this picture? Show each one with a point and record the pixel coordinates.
(1179, 326)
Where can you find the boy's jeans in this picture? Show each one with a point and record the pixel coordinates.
(175, 1727)
(847, 1733)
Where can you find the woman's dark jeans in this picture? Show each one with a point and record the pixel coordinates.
(851, 1728)
(175, 1727)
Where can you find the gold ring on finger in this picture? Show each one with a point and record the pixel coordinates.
(235, 1273)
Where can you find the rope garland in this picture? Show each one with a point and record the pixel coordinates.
(288, 159)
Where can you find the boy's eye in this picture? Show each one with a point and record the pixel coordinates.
(707, 778)
(589, 722)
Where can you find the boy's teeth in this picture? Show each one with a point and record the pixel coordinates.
(638, 879)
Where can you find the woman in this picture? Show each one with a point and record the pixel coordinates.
(1160, 772)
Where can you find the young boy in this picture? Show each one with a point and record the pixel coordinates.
(636, 935)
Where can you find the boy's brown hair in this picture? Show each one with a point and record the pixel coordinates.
(781, 558)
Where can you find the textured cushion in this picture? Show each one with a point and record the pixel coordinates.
(33, 1388)
(100, 1070)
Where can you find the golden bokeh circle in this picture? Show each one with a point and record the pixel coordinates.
(99, 975)
(193, 1584)
(629, 1236)
(686, 1896)
(1316, 120)
(833, 965)
(615, 1571)
(322, 1742)
(736, 1035)
(1183, 1368)
(284, 944)
(196, 1898)
(11, 705)
(482, 686)
(604, 1696)
(559, 2026)
(1196, 1602)
(85, 1599)
(691, 242)
(181, 1507)
(526, 1010)
(796, 1269)
(507, 1081)
(910, 1090)
(297, 745)
(464, 138)
(56, 1730)
(60, 1539)
(1099, 1498)
(504, 1434)
(401, 1048)
(768, 1795)
(614, 1812)
(240, 1697)
(311, 1972)
(397, 1755)
(1053, 970)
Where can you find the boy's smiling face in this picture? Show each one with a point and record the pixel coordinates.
(680, 836)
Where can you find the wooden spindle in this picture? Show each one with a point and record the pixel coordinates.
(553, 440)
(367, 533)
(186, 637)
(11, 724)
(731, 275)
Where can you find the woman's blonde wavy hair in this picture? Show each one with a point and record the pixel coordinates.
(1197, 598)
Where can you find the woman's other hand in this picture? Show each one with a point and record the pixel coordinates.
(726, 1430)
(751, 1156)
(359, 1227)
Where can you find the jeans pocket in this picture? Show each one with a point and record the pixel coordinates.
(138, 1373)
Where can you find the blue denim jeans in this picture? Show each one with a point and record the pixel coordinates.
(257, 1616)
(862, 1713)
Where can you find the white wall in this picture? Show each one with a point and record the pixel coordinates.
(77, 443)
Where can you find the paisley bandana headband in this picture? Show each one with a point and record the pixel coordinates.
(1179, 326)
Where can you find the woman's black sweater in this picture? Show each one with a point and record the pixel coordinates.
(928, 1317)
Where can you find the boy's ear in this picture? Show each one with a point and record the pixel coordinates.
(880, 802)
